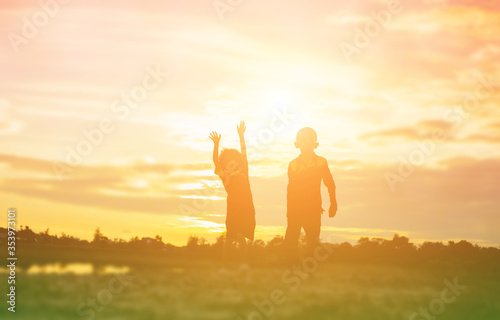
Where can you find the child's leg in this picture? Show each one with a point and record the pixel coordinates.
(243, 248)
(228, 251)
(312, 227)
(224, 251)
(292, 236)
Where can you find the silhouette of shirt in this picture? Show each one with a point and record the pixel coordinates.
(240, 209)
(304, 185)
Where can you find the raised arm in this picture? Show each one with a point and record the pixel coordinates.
(216, 139)
(241, 133)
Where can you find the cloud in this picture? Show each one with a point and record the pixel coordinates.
(9, 124)
(483, 138)
(459, 192)
(82, 196)
(417, 69)
(488, 133)
(20, 163)
(422, 130)
(10, 127)
(134, 187)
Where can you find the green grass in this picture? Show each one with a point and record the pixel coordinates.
(205, 291)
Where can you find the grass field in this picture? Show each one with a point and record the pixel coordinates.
(207, 291)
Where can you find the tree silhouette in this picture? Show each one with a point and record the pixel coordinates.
(43, 246)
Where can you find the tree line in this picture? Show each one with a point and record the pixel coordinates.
(43, 246)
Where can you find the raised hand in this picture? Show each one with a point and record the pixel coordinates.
(241, 128)
(215, 137)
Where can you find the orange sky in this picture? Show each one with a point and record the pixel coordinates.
(186, 69)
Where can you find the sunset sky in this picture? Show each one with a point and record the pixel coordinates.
(434, 67)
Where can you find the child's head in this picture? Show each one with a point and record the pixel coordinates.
(306, 140)
(230, 159)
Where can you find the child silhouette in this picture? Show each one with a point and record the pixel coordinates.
(232, 167)
(304, 192)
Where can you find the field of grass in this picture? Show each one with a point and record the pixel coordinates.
(204, 290)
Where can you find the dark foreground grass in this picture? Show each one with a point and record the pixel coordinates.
(207, 291)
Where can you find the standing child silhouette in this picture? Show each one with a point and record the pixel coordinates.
(232, 167)
(304, 192)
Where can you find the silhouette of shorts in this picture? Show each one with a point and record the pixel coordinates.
(311, 224)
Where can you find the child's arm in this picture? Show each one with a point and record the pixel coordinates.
(330, 184)
(289, 195)
(241, 133)
(215, 138)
